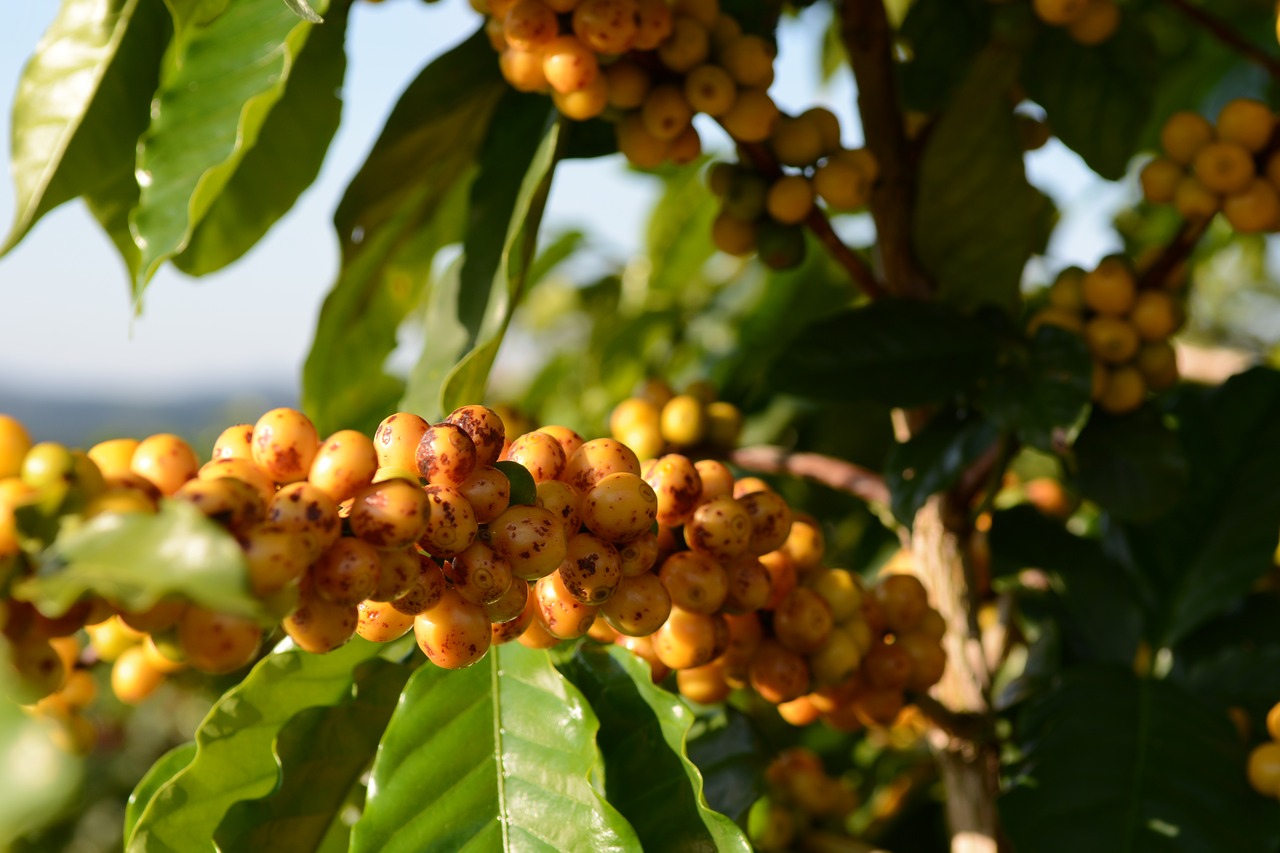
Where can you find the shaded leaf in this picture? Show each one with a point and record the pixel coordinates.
(1041, 388)
(1111, 762)
(1132, 465)
(944, 36)
(502, 751)
(286, 159)
(136, 559)
(323, 753)
(643, 736)
(933, 459)
(732, 757)
(677, 236)
(897, 352)
(235, 756)
(165, 768)
(975, 220)
(523, 488)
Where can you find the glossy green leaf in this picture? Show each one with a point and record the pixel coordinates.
(235, 754)
(933, 459)
(1041, 389)
(732, 756)
(894, 351)
(975, 224)
(165, 768)
(499, 756)
(215, 93)
(523, 489)
(1132, 465)
(467, 381)
(1221, 538)
(1098, 99)
(79, 63)
(286, 159)
(643, 735)
(408, 199)
(323, 753)
(136, 559)
(1111, 762)
(190, 13)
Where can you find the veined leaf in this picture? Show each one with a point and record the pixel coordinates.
(498, 756)
(323, 753)
(235, 758)
(408, 199)
(286, 159)
(79, 62)
(165, 768)
(216, 91)
(643, 735)
(136, 559)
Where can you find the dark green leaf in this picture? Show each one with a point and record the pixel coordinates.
(933, 459)
(1245, 677)
(165, 768)
(323, 752)
(897, 352)
(1040, 391)
(649, 777)
(408, 199)
(1099, 98)
(732, 757)
(215, 93)
(1114, 763)
(943, 36)
(235, 758)
(303, 11)
(286, 159)
(523, 489)
(1132, 465)
(136, 559)
(499, 756)
(80, 63)
(975, 224)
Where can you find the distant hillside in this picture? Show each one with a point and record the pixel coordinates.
(82, 421)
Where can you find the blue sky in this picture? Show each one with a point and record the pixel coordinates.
(66, 325)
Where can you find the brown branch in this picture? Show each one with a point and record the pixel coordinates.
(1179, 249)
(869, 43)
(818, 223)
(835, 473)
(965, 726)
(1224, 33)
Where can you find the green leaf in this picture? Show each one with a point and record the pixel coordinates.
(943, 36)
(643, 736)
(323, 752)
(235, 756)
(408, 199)
(1098, 99)
(895, 351)
(165, 768)
(1040, 390)
(216, 91)
(286, 159)
(136, 559)
(303, 11)
(523, 489)
(975, 223)
(1132, 465)
(79, 63)
(498, 756)
(933, 459)
(1114, 763)
(678, 234)
(732, 757)
(1222, 536)
(466, 382)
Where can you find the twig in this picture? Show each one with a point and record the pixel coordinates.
(835, 473)
(1224, 33)
(868, 41)
(818, 223)
(1178, 250)
(961, 726)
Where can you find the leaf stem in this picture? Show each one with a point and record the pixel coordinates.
(1224, 33)
(834, 473)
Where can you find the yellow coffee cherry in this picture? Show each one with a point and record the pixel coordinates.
(218, 643)
(709, 89)
(841, 185)
(665, 112)
(563, 616)
(641, 148)
(752, 116)
(529, 25)
(770, 520)
(1264, 769)
(842, 592)
(705, 12)
(749, 60)
(166, 461)
(569, 65)
(513, 604)
(110, 638)
(234, 442)
(480, 574)
(1194, 201)
(446, 455)
(805, 543)
(1160, 179)
(1067, 290)
(584, 104)
(1155, 315)
(732, 235)
(14, 444)
(397, 438)
(724, 424)
(1246, 122)
(685, 148)
(720, 528)
(488, 491)
(828, 127)
(348, 572)
(1060, 317)
(790, 199)
(1110, 288)
(1183, 135)
(493, 31)
(343, 464)
(1125, 390)
(684, 421)
(726, 30)
(837, 660)
(606, 26)
(1060, 13)
(638, 606)
(540, 454)
(1099, 22)
(654, 23)
(317, 625)
(113, 457)
(423, 594)
(591, 569)
(284, 444)
(1111, 339)
(1224, 167)
(276, 557)
(454, 633)
(1158, 364)
(750, 585)
(677, 485)
(633, 412)
(597, 459)
(696, 582)
(390, 514)
(688, 639)
(531, 539)
(798, 141)
(244, 470)
(628, 84)
(232, 503)
(861, 159)
(639, 555)
(563, 502)
(1255, 209)
(686, 47)
(133, 677)
(379, 622)
(451, 522)
(619, 507)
